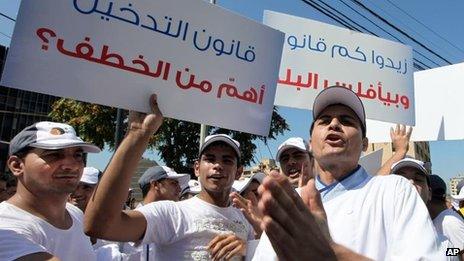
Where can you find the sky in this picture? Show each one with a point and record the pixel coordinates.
(437, 24)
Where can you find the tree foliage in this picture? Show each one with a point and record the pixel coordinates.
(176, 141)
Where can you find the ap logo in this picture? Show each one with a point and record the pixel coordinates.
(452, 251)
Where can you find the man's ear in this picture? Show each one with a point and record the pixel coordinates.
(196, 168)
(154, 184)
(16, 165)
(239, 173)
(365, 144)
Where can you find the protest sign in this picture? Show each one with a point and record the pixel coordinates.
(216, 68)
(372, 161)
(439, 107)
(317, 55)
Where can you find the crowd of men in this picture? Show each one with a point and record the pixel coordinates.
(322, 205)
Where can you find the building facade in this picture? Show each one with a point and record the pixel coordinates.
(143, 165)
(454, 182)
(418, 150)
(264, 166)
(19, 109)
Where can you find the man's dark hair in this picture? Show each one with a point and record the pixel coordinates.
(23, 152)
(146, 187)
(310, 154)
(221, 143)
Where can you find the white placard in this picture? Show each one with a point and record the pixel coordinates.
(372, 161)
(216, 68)
(439, 107)
(317, 55)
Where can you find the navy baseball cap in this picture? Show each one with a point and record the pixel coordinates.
(438, 187)
(162, 172)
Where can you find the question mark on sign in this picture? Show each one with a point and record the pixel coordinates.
(43, 34)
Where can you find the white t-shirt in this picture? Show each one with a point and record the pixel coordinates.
(182, 230)
(22, 233)
(451, 225)
(380, 217)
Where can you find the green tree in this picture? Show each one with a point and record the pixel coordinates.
(176, 141)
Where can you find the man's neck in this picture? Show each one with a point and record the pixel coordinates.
(218, 199)
(435, 208)
(49, 207)
(329, 173)
(149, 198)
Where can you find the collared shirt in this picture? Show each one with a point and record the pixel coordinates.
(353, 179)
(380, 217)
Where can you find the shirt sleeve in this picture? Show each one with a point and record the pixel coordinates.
(264, 251)
(14, 245)
(163, 222)
(453, 228)
(413, 236)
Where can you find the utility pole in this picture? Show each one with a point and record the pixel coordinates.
(204, 127)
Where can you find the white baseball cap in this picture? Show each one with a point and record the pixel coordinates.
(409, 162)
(235, 145)
(50, 136)
(339, 95)
(293, 142)
(162, 172)
(90, 175)
(193, 186)
(459, 196)
(242, 185)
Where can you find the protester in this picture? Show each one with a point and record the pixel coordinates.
(400, 137)
(448, 222)
(248, 187)
(161, 183)
(458, 200)
(246, 197)
(294, 157)
(158, 183)
(81, 195)
(351, 215)
(432, 190)
(414, 171)
(130, 200)
(37, 223)
(203, 227)
(192, 189)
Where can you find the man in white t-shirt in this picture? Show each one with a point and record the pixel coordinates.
(448, 221)
(161, 183)
(200, 228)
(343, 213)
(81, 195)
(414, 171)
(37, 223)
(158, 183)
